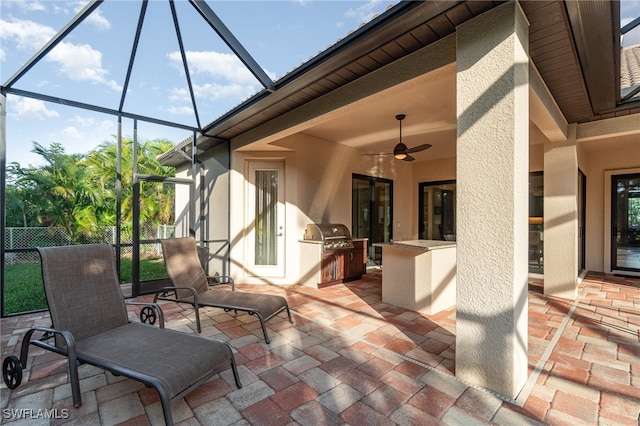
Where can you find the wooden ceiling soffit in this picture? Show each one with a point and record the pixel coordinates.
(592, 25)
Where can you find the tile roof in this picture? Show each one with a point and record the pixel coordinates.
(630, 68)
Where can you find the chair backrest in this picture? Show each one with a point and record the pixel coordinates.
(183, 265)
(82, 288)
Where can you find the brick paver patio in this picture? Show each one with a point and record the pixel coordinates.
(351, 359)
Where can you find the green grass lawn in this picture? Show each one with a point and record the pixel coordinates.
(23, 290)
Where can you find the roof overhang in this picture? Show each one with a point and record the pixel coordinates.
(573, 50)
(597, 41)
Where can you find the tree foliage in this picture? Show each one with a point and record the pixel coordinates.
(78, 192)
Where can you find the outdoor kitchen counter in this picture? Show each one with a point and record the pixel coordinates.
(319, 267)
(419, 274)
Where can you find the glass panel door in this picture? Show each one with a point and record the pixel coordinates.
(361, 208)
(582, 223)
(625, 222)
(265, 213)
(372, 213)
(437, 210)
(536, 222)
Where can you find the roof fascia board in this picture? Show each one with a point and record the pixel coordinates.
(433, 57)
(592, 28)
(364, 34)
(94, 108)
(364, 40)
(227, 36)
(80, 16)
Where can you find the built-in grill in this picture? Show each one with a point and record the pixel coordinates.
(334, 236)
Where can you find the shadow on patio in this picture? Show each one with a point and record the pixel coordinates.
(349, 358)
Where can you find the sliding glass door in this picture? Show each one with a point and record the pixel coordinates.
(625, 222)
(437, 215)
(437, 210)
(372, 213)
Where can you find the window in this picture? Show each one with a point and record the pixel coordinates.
(437, 215)
(372, 213)
(437, 210)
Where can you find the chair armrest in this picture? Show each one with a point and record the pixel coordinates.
(221, 280)
(69, 340)
(165, 293)
(154, 307)
(70, 352)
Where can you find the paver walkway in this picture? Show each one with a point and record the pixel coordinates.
(351, 359)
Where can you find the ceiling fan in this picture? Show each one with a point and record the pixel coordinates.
(400, 151)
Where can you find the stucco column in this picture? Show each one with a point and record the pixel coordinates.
(561, 217)
(492, 203)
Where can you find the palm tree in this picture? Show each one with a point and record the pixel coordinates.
(156, 199)
(78, 192)
(65, 196)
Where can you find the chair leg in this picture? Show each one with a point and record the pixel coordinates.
(74, 380)
(197, 308)
(264, 328)
(234, 369)
(289, 314)
(166, 407)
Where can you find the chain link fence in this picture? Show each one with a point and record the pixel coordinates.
(20, 243)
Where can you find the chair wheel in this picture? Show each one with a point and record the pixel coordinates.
(12, 371)
(148, 315)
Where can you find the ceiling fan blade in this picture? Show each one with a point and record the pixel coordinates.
(408, 158)
(419, 148)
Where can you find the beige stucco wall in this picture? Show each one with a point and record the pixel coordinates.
(323, 170)
(612, 154)
(561, 218)
(492, 202)
(215, 228)
(318, 189)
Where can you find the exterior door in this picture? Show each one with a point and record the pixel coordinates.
(437, 210)
(372, 213)
(266, 219)
(625, 223)
(582, 223)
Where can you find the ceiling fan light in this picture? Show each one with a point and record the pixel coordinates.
(400, 151)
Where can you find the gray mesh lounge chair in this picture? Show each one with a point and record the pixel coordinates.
(90, 325)
(192, 286)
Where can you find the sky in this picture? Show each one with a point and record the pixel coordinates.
(90, 64)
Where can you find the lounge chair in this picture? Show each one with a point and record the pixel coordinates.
(90, 325)
(191, 285)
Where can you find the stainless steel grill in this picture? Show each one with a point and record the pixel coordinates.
(334, 236)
